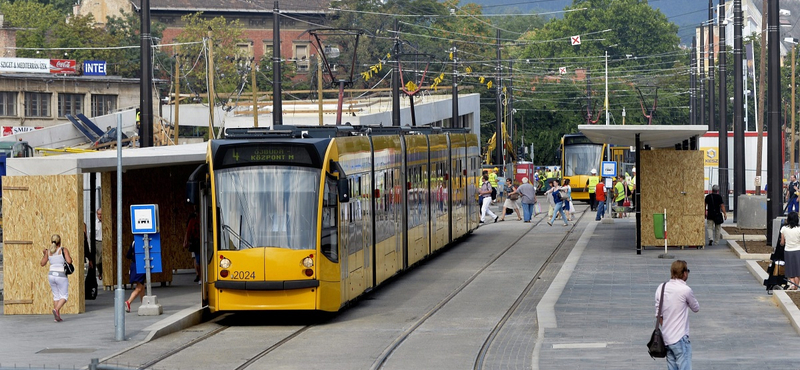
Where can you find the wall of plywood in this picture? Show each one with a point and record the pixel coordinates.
(163, 186)
(672, 180)
(34, 208)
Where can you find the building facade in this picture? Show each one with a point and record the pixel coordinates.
(43, 100)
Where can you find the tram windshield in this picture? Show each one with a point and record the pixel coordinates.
(267, 206)
(579, 159)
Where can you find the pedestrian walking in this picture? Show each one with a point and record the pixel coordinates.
(715, 215)
(57, 255)
(790, 238)
(548, 194)
(485, 196)
(512, 200)
(528, 198)
(678, 299)
(600, 197)
(568, 205)
(591, 187)
(135, 278)
(559, 198)
(791, 194)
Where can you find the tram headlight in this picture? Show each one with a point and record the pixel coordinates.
(308, 262)
(225, 263)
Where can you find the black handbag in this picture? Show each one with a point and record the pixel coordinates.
(68, 267)
(656, 347)
(718, 219)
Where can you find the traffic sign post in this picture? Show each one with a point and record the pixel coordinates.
(144, 227)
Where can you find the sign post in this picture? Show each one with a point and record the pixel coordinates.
(144, 226)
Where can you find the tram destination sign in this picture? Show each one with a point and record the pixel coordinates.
(266, 154)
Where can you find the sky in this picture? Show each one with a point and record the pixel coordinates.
(687, 14)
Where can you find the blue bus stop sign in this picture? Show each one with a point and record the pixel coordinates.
(144, 218)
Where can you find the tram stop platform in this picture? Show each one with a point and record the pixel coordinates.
(598, 312)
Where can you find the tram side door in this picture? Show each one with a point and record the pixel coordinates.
(206, 241)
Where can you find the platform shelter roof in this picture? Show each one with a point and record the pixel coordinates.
(658, 136)
(103, 161)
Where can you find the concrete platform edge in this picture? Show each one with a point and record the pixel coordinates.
(778, 296)
(545, 311)
(178, 321)
(739, 252)
(751, 238)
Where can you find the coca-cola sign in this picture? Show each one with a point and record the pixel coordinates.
(62, 66)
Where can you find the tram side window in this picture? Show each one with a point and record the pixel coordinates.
(329, 231)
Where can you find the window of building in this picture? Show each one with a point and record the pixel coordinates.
(37, 104)
(244, 49)
(267, 47)
(8, 103)
(70, 104)
(301, 57)
(103, 104)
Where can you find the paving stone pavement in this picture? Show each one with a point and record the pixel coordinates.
(608, 302)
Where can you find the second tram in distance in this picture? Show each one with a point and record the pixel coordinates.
(311, 218)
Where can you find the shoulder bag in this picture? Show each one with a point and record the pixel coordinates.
(513, 196)
(656, 347)
(68, 267)
(718, 217)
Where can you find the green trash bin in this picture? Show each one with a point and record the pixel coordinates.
(658, 225)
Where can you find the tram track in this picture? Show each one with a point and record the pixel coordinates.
(482, 354)
(382, 359)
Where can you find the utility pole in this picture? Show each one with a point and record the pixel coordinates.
(794, 110)
(774, 170)
(211, 92)
(588, 98)
(146, 81)
(738, 119)
(319, 86)
(277, 103)
(396, 77)
(498, 155)
(702, 81)
(456, 121)
(723, 111)
(761, 107)
(512, 132)
(693, 84)
(177, 89)
(253, 67)
(711, 83)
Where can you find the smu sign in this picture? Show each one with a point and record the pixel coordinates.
(94, 68)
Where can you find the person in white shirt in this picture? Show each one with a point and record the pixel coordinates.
(59, 283)
(790, 238)
(678, 299)
(98, 243)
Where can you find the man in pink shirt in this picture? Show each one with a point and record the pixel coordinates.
(678, 299)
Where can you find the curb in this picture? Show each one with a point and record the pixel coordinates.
(739, 252)
(178, 321)
(750, 238)
(779, 297)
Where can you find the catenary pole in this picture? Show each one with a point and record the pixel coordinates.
(723, 110)
(774, 168)
(277, 103)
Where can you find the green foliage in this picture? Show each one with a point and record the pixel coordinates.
(38, 24)
(229, 75)
(643, 53)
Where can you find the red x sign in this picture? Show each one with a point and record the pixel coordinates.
(562, 70)
(576, 40)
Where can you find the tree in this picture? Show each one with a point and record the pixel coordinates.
(228, 76)
(37, 22)
(643, 52)
(124, 30)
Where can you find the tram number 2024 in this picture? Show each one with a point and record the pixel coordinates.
(243, 275)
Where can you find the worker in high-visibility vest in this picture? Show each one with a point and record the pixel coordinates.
(632, 186)
(591, 184)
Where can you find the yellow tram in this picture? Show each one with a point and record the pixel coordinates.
(311, 218)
